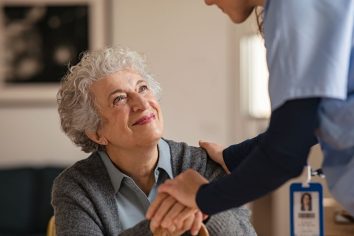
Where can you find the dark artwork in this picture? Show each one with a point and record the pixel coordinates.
(40, 41)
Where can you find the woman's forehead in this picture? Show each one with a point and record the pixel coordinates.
(124, 78)
(118, 82)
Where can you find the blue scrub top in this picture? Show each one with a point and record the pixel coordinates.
(310, 53)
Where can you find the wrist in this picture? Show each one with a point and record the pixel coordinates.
(199, 199)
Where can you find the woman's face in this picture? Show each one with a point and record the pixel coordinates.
(237, 10)
(131, 115)
(306, 200)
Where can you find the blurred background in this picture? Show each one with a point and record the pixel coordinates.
(212, 73)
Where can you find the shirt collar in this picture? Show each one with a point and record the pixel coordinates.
(114, 173)
(164, 163)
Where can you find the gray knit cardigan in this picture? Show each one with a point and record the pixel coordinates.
(84, 199)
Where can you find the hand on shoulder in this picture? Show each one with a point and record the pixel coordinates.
(215, 150)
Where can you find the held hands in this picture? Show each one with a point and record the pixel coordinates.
(215, 152)
(183, 188)
(179, 213)
(190, 220)
(173, 218)
(175, 210)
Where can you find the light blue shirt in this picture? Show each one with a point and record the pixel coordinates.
(308, 48)
(132, 202)
(310, 53)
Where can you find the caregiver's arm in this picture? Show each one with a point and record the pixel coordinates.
(240, 151)
(237, 152)
(280, 155)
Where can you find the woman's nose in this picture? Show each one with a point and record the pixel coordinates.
(139, 102)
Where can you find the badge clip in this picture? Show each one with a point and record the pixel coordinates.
(310, 172)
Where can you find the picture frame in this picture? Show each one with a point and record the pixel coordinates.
(40, 39)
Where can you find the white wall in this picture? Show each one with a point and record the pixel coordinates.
(187, 47)
(32, 136)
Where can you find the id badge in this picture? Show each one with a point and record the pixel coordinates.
(306, 210)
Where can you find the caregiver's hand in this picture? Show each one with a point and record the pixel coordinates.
(215, 152)
(164, 222)
(183, 188)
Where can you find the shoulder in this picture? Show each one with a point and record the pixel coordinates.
(83, 199)
(183, 149)
(81, 173)
(185, 157)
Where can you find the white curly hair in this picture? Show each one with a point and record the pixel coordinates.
(76, 105)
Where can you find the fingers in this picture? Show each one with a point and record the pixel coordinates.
(155, 205)
(208, 145)
(167, 187)
(189, 219)
(179, 220)
(167, 221)
(160, 232)
(184, 187)
(203, 144)
(172, 212)
(187, 223)
(165, 206)
(197, 223)
(175, 218)
(215, 152)
(211, 148)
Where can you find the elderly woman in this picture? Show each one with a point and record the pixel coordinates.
(108, 106)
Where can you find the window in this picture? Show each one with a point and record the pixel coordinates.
(254, 76)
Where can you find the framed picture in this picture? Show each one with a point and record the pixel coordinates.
(39, 39)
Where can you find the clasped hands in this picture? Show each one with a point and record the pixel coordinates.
(174, 211)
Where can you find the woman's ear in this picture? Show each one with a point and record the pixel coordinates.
(94, 136)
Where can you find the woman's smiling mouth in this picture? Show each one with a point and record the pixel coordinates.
(145, 119)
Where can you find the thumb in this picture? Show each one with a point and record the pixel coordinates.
(166, 188)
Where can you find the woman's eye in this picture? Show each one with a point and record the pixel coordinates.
(143, 88)
(119, 99)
